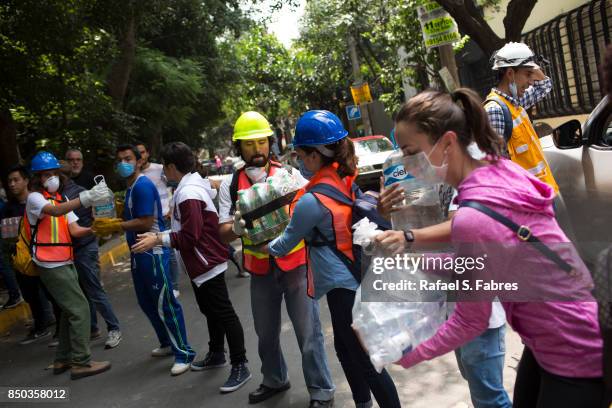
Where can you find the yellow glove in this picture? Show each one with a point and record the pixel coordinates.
(107, 226)
(119, 204)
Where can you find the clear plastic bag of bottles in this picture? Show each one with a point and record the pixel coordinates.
(264, 206)
(388, 330)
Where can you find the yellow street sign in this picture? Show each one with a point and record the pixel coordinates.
(361, 94)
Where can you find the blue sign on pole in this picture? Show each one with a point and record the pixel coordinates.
(353, 112)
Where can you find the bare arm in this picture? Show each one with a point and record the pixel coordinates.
(226, 233)
(76, 231)
(61, 209)
(140, 224)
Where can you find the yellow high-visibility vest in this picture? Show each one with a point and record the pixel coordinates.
(524, 144)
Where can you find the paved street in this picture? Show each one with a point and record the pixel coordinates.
(137, 380)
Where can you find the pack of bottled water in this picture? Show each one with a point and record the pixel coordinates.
(421, 204)
(272, 224)
(388, 330)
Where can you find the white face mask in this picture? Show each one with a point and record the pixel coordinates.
(441, 170)
(513, 90)
(52, 184)
(256, 174)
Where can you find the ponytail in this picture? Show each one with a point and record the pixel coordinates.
(435, 113)
(477, 122)
(343, 154)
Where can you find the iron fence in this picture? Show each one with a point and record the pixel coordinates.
(574, 43)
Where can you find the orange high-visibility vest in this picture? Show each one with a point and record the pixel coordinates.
(341, 213)
(524, 144)
(258, 263)
(50, 237)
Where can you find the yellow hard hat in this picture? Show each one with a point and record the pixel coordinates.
(251, 125)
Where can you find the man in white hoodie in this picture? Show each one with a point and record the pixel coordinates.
(195, 235)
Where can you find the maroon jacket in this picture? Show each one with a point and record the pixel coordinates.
(195, 228)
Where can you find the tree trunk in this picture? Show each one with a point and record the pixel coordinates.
(9, 153)
(517, 13)
(156, 142)
(122, 68)
(472, 23)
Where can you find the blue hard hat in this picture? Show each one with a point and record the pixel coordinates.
(44, 161)
(318, 127)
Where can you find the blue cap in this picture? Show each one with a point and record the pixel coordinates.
(44, 161)
(318, 127)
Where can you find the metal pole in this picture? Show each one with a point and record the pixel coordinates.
(358, 80)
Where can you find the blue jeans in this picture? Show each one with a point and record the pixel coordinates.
(8, 275)
(267, 294)
(88, 268)
(154, 293)
(481, 362)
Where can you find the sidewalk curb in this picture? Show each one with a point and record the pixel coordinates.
(11, 317)
(20, 314)
(110, 258)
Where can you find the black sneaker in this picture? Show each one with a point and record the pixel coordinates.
(238, 377)
(264, 392)
(11, 303)
(213, 359)
(35, 336)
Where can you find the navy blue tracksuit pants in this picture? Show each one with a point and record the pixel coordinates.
(152, 282)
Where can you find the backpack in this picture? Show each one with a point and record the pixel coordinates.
(363, 206)
(22, 258)
(508, 123)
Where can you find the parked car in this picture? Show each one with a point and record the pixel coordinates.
(372, 151)
(580, 158)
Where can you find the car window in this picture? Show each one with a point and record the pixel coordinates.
(373, 146)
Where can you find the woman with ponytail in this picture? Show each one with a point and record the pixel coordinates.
(562, 360)
(322, 216)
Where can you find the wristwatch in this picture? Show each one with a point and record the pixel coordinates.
(409, 237)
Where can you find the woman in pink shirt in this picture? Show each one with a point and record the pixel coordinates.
(561, 364)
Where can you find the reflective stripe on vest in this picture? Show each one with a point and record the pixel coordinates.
(524, 145)
(52, 241)
(258, 263)
(341, 213)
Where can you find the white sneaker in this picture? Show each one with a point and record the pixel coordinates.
(243, 274)
(176, 293)
(179, 368)
(162, 352)
(113, 339)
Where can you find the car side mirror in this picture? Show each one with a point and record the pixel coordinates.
(568, 135)
(542, 129)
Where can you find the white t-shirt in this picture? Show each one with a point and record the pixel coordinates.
(225, 199)
(154, 173)
(36, 202)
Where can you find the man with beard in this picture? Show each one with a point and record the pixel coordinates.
(274, 278)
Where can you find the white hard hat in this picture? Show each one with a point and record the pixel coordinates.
(514, 54)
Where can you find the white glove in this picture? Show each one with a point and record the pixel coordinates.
(239, 224)
(98, 193)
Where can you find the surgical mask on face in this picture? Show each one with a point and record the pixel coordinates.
(256, 174)
(440, 171)
(513, 90)
(52, 184)
(125, 170)
(307, 174)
